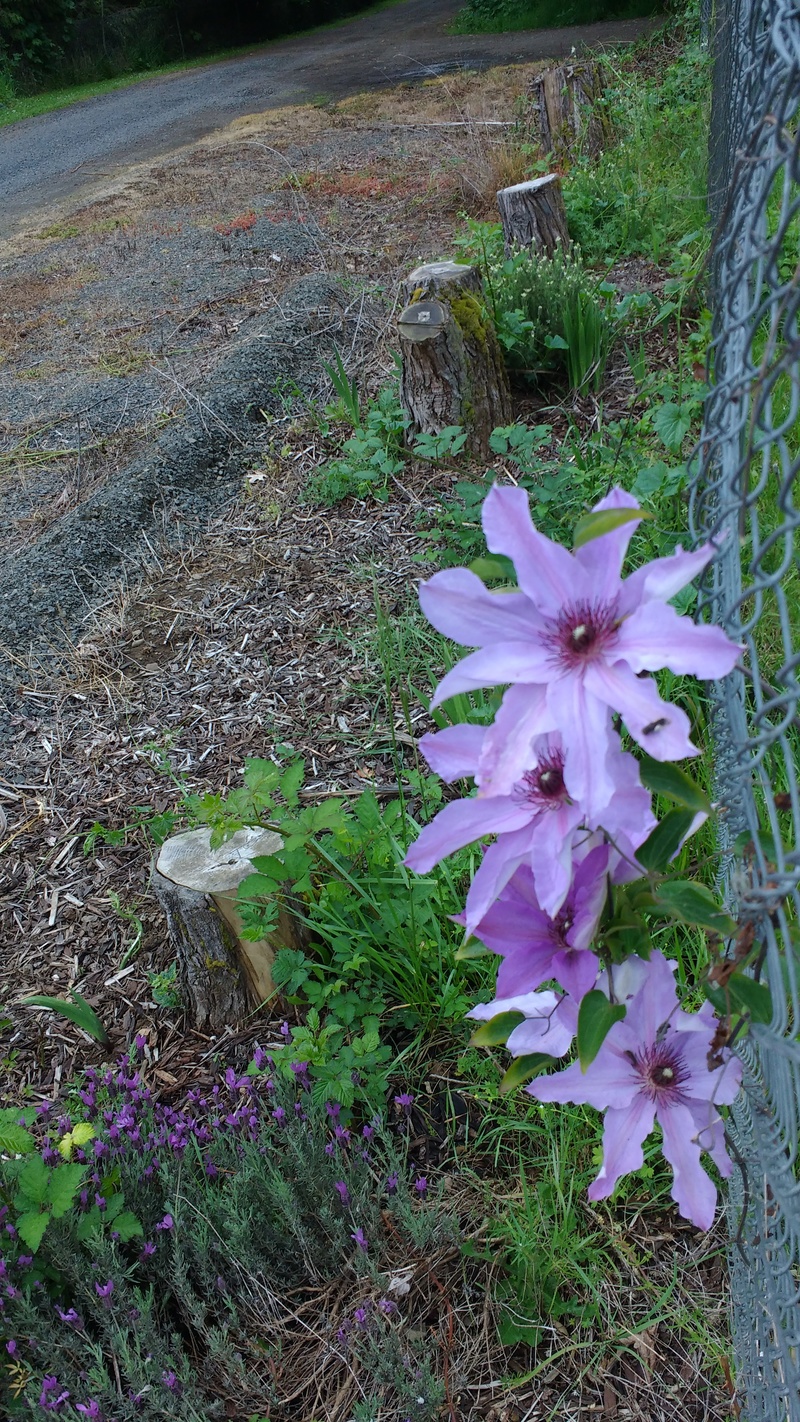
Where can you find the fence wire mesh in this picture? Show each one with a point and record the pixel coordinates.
(744, 497)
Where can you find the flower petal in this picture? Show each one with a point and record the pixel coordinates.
(602, 557)
(551, 855)
(664, 577)
(525, 968)
(576, 969)
(692, 1190)
(657, 636)
(546, 572)
(586, 732)
(661, 728)
(461, 822)
(551, 1032)
(624, 1134)
(454, 752)
(497, 866)
(611, 1080)
(711, 1135)
(506, 753)
(493, 666)
(460, 606)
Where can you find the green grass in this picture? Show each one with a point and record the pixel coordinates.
(501, 16)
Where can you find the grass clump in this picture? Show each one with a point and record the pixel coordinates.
(499, 16)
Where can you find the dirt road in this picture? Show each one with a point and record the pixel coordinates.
(77, 150)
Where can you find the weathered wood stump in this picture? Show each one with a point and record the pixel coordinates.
(570, 119)
(453, 369)
(222, 974)
(533, 215)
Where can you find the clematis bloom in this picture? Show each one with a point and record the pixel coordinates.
(653, 1066)
(535, 822)
(575, 644)
(536, 947)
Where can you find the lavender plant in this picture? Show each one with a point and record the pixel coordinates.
(172, 1234)
(579, 871)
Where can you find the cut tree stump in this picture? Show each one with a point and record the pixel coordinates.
(571, 120)
(453, 368)
(533, 216)
(223, 975)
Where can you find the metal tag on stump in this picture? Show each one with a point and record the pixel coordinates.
(421, 320)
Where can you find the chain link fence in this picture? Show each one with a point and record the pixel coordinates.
(744, 496)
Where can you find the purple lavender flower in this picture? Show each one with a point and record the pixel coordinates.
(170, 1380)
(11, 1346)
(405, 1101)
(70, 1317)
(279, 1115)
(50, 1399)
(343, 1192)
(387, 1306)
(24, 1260)
(360, 1239)
(367, 1132)
(574, 643)
(91, 1409)
(333, 1108)
(259, 1058)
(286, 1032)
(392, 1183)
(361, 1317)
(653, 1066)
(421, 1184)
(139, 1044)
(167, 1223)
(104, 1291)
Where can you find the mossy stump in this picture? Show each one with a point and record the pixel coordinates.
(453, 369)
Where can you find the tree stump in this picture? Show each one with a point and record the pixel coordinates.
(222, 974)
(533, 216)
(453, 368)
(570, 118)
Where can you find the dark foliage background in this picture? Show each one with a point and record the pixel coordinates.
(43, 42)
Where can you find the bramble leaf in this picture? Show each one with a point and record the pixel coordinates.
(594, 525)
(497, 1030)
(523, 1069)
(665, 840)
(693, 903)
(663, 778)
(31, 1227)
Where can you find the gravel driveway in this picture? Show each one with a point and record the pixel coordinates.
(77, 150)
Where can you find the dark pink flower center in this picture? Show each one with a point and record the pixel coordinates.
(662, 1071)
(544, 787)
(583, 632)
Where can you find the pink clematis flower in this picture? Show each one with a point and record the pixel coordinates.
(536, 947)
(535, 821)
(653, 1066)
(574, 643)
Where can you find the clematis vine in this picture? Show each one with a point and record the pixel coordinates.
(575, 645)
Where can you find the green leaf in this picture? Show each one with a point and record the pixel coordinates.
(89, 1223)
(261, 777)
(497, 1030)
(751, 997)
(33, 1180)
(665, 840)
(31, 1227)
(594, 525)
(127, 1226)
(15, 1140)
(672, 424)
(663, 778)
(473, 948)
(65, 1182)
(523, 1069)
(255, 886)
(497, 569)
(291, 780)
(78, 1011)
(596, 1017)
(692, 903)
